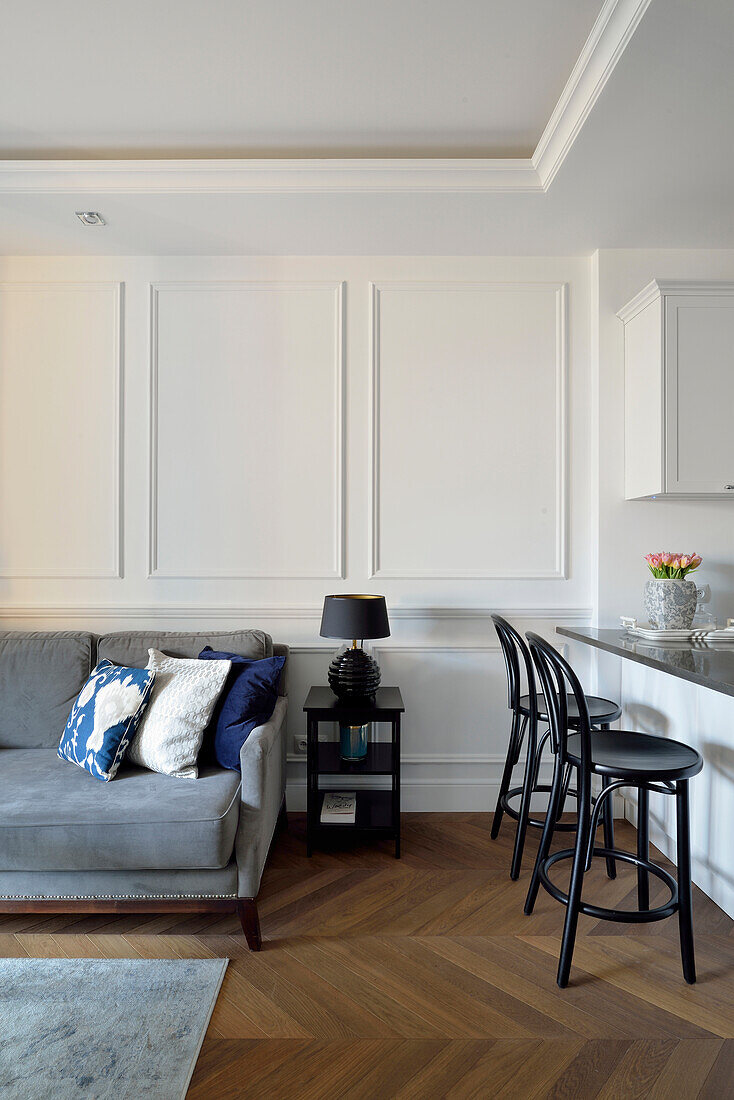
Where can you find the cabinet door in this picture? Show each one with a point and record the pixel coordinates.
(699, 394)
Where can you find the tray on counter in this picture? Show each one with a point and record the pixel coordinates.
(694, 634)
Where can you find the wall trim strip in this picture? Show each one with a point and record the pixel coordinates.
(309, 613)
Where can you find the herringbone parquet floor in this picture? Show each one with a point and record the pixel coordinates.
(423, 979)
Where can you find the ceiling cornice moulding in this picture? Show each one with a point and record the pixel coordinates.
(610, 35)
(233, 176)
(606, 43)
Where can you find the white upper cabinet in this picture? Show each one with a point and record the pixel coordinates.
(679, 391)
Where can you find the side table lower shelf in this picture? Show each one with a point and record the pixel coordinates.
(374, 818)
(374, 812)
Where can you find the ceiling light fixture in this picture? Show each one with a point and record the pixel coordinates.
(90, 217)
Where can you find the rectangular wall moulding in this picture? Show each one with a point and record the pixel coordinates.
(468, 440)
(247, 430)
(60, 430)
(451, 721)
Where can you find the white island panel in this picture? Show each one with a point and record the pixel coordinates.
(661, 704)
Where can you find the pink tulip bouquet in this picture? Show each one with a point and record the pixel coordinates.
(672, 566)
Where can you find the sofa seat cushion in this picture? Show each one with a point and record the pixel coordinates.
(54, 816)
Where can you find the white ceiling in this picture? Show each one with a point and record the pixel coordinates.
(652, 166)
(244, 78)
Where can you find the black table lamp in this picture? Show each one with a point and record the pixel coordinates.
(353, 674)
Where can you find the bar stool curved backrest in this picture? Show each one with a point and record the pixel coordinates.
(556, 678)
(529, 710)
(524, 710)
(514, 647)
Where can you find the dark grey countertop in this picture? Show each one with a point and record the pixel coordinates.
(711, 666)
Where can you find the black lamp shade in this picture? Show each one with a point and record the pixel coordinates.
(355, 617)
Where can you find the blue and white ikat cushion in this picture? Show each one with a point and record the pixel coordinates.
(105, 717)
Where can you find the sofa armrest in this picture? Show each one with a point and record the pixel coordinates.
(262, 763)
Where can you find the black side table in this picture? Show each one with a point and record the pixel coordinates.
(378, 811)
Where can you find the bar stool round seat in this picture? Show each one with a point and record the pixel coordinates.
(601, 711)
(621, 755)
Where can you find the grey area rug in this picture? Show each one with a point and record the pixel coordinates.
(97, 1028)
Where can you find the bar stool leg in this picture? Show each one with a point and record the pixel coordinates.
(685, 903)
(577, 878)
(564, 792)
(527, 790)
(546, 837)
(516, 732)
(643, 847)
(609, 829)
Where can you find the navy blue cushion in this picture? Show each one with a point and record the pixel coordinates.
(247, 701)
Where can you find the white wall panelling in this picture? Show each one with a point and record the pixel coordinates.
(60, 430)
(456, 724)
(232, 335)
(468, 408)
(243, 375)
(453, 723)
(455, 728)
(453, 740)
(307, 665)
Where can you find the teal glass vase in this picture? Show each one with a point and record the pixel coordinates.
(353, 742)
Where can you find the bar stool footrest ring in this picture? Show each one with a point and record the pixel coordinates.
(537, 822)
(621, 916)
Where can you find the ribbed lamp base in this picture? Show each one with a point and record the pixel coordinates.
(353, 674)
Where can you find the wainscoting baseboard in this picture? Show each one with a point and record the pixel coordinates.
(444, 795)
(423, 795)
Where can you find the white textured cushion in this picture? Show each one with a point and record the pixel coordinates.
(169, 736)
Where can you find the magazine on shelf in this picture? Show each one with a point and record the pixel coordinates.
(339, 808)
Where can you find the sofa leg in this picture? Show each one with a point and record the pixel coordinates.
(250, 921)
(283, 816)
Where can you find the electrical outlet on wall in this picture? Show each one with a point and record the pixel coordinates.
(300, 742)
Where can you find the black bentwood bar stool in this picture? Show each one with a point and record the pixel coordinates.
(622, 759)
(527, 710)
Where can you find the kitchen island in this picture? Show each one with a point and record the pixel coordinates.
(682, 690)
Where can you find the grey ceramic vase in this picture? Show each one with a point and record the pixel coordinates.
(670, 604)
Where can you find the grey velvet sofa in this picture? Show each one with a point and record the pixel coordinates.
(144, 842)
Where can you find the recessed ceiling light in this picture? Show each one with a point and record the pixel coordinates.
(90, 217)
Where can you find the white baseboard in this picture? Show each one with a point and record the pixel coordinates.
(433, 794)
(422, 795)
